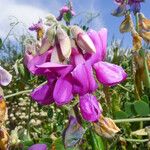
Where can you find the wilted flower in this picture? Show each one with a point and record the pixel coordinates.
(144, 22)
(106, 127)
(38, 147)
(137, 41)
(4, 138)
(126, 25)
(3, 114)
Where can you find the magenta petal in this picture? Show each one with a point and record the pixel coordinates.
(31, 61)
(84, 81)
(38, 147)
(43, 94)
(51, 65)
(64, 9)
(76, 57)
(103, 38)
(63, 91)
(89, 108)
(109, 74)
(100, 41)
(5, 77)
(60, 69)
(94, 57)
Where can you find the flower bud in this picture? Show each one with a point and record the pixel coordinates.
(64, 42)
(50, 34)
(45, 46)
(82, 39)
(89, 108)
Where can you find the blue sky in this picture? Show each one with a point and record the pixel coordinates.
(28, 11)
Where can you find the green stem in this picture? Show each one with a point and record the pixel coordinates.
(132, 120)
(137, 22)
(22, 92)
(137, 140)
(9, 33)
(146, 70)
(124, 88)
(18, 93)
(29, 117)
(77, 114)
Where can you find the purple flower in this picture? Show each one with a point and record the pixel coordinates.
(37, 26)
(53, 91)
(43, 94)
(63, 91)
(5, 77)
(100, 41)
(89, 108)
(31, 61)
(84, 81)
(38, 147)
(66, 9)
(109, 74)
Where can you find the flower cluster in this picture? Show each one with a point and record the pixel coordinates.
(71, 63)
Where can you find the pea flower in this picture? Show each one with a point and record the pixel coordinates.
(5, 77)
(38, 27)
(38, 147)
(66, 9)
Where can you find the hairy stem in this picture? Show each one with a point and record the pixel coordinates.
(18, 93)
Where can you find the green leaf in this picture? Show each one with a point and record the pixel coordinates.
(120, 115)
(21, 70)
(129, 109)
(50, 113)
(96, 141)
(27, 144)
(1, 43)
(67, 17)
(59, 144)
(145, 99)
(141, 108)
